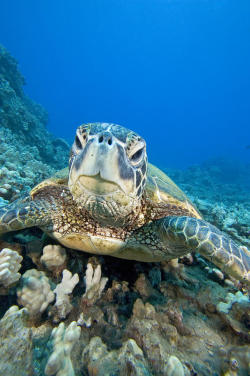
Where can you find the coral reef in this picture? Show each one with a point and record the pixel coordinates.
(128, 360)
(220, 189)
(35, 293)
(10, 263)
(235, 313)
(25, 142)
(63, 290)
(95, 284)
(230, 300)
(15, 343)
(109, 316)
(59, 363)
(173, 367)
(54, 257)
(140, 325)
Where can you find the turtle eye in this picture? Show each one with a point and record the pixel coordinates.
(78, 142)
(136, 157)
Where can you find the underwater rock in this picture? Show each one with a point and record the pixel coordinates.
(94, 358)
(131, 360)
(237, 361)
(15, 343)
(144, 287)
(128, 360)
(117, 291)
(141, 310)
(146, 331)
(235, 312)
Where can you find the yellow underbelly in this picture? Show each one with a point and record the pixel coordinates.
(110, 247)
(90, 243)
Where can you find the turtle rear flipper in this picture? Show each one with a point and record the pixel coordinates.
(24, 213)
(198, 235)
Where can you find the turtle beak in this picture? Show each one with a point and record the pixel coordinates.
(102, 167)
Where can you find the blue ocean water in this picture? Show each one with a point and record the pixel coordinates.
(176, 71)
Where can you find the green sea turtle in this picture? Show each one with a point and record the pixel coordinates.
(111, 201)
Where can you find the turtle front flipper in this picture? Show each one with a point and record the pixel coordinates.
(194, 234)
(24, 213)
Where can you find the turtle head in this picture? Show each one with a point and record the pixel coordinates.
(107, 172)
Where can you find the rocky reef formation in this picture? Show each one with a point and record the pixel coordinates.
(220, 189)
(125, 318)
(64, 312)
(28, 152)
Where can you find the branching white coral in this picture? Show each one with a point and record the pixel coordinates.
(35, 295)
(15, 312)
(10, 263)
(95, 283)
(62, 291)
(53, 256)
(59, 363)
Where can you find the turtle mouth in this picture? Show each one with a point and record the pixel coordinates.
(97, 185)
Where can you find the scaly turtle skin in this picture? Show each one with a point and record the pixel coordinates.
(111, 201)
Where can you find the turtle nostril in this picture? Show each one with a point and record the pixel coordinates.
(105, 138)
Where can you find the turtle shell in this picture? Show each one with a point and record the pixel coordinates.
(161, 190)
(59, 178)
